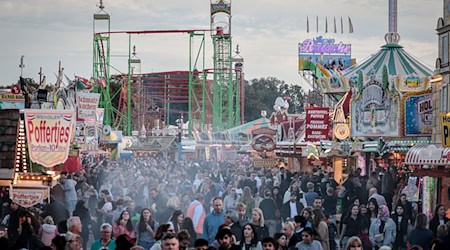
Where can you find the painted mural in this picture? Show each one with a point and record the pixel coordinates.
(375, 106)
(412, 83)
(417, 110)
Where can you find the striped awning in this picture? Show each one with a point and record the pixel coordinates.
(427, 154)
(397, 60)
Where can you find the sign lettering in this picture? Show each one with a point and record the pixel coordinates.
(48, 135)
(317, 124)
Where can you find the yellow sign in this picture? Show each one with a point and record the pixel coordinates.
(49, 135)
(341, 131)
(445, 129)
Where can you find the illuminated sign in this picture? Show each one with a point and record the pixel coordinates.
(320, 45)
(418, 113)
(445, 129)
(48, 135)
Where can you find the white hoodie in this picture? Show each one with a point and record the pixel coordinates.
(48, 233)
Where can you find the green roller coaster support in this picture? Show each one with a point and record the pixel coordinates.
(197, 103)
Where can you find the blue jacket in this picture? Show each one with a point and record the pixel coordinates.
(211, 225)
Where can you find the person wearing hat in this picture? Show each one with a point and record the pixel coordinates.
(291, 208)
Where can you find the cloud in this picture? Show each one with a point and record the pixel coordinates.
(268, 31)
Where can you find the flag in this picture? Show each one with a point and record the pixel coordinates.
(335, 30)
(342, 26)
(101, 81)
(82, 83)
(317, 24)
(350, 25)
(326, 25)
(307, 25)
(15, 89)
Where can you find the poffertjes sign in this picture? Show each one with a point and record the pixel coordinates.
(27, 197)
(48, 135)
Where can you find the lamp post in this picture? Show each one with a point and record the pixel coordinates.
(180, 133)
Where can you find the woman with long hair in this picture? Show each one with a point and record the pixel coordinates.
(176, 219)
(321, 227)
(438, 218)
(277, 197)
(382, 230)
(281, 240)
(250, 238)
(350, 225)
(123, 225)
(248, 200)
(421, 235)
(258, 223)
(146, 229)
(307, 214)
(354, 243)
(373, 209)
(188, 225)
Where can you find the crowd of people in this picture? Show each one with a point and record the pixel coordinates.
(153, 204)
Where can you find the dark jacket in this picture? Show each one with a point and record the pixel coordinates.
(402, 231)
(286, 210)
(434, 223)
(269, 208)
(261, 232)
(57, 210)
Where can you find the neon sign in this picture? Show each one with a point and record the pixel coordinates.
(320, 45)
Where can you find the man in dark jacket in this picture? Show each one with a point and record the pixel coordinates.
(270, 211)
(55, 209)
(387, 188)
(13, 223)
(286, 211)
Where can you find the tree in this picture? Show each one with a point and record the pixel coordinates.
(260, 94)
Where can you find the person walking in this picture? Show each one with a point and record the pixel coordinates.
(383, 230)
(213, 220)
(421, 235)
(321, 227)
(145, 229)
(270, 211)
(438, 219)
(197, 213)
(105, 242)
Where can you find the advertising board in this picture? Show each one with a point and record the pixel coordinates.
(418, 114)
(49, 135)
(317, 124)
(87, 106)
(12, 101)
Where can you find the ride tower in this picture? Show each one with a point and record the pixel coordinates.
(226, 98)
(101, 60)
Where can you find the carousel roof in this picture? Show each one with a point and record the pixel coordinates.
(397, 60)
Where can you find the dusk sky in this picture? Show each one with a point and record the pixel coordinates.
(268, 33)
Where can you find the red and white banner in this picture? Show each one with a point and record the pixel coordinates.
(49, 135)
(27, 197)
(317, 124)
(87, 106)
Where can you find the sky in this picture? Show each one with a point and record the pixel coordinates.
(267, 31)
